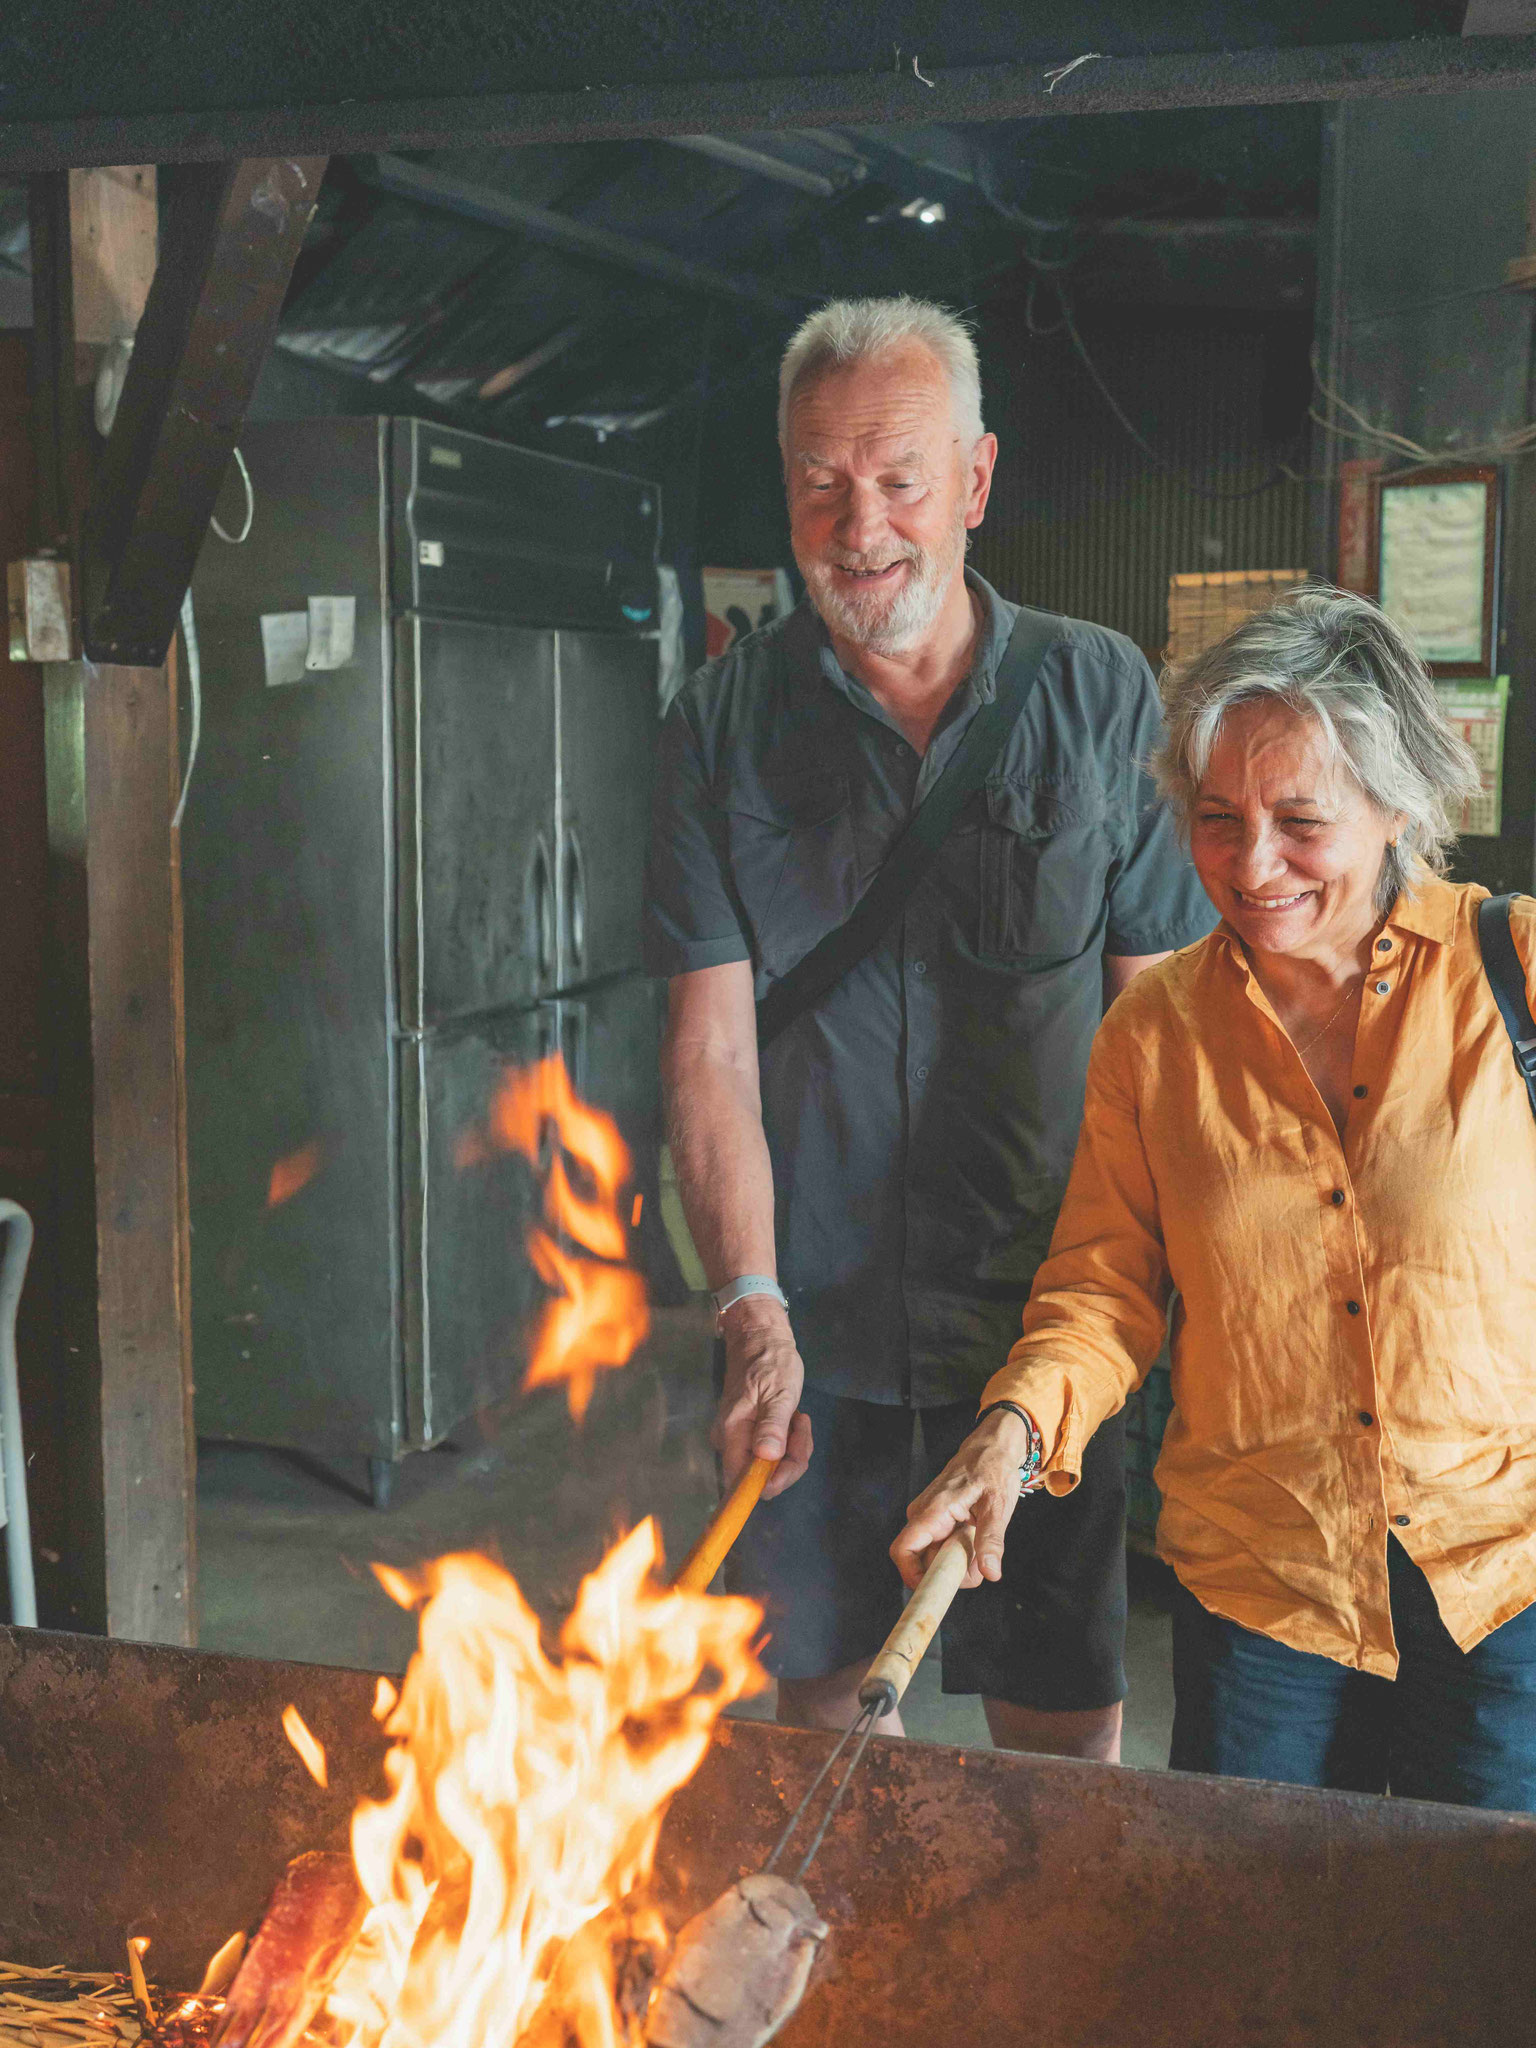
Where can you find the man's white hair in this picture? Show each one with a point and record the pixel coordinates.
(846, 331)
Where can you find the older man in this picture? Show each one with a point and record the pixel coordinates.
(872, 1192)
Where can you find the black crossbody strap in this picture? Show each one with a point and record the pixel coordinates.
(818, 971)
(1506, 977)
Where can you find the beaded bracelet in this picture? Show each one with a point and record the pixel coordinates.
(1031, 1478)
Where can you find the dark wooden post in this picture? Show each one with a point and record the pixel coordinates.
(111, 744)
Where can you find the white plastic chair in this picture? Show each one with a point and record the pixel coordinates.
(13, 1463)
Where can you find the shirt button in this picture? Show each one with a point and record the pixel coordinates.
(1353, 1307)
(1337, 1198)
(1361, 1091)
(919, 966)
(1401, 1521)
(1383, 945)
(1383, 988)
(1366, 1418)
(921, 1073)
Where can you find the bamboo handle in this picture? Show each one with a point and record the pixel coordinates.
(708, 1554)
(891, 1673)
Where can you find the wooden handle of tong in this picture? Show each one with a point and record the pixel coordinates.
(707, 1555)
(891, 1673)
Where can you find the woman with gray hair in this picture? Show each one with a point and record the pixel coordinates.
(1307, 1134)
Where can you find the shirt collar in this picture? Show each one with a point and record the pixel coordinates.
(1428, 910)
(991, 645)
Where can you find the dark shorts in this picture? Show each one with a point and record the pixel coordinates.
(1049, 1635)
(1455, 1725)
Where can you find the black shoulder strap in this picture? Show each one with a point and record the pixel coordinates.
(1506, 977)
(818, 971)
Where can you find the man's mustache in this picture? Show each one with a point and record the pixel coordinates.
(855, 562)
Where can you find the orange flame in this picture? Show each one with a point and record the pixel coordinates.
(311, 1750)
(598, 1313)
(294, 1172)
(505, 1870)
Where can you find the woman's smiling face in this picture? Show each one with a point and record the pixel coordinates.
(1286, 843)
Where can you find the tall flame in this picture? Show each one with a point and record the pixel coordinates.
(597, 1313)
(505, 1870)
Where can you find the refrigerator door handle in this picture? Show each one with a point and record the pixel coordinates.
(576, 898)
(541, 884)
(573, 1043)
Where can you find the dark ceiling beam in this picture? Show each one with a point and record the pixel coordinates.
(483, 203)
(1109, 85)
(226, 255)
(761, 164)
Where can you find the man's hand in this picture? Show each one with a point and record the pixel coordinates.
(758, 1414)
(980, 1484)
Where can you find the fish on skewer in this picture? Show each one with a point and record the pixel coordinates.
(739, 1969)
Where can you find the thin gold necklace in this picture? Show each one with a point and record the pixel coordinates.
(1349, 993)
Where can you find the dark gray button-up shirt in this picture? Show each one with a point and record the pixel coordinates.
(921, 1119)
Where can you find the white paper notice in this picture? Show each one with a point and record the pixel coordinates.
(1433, 540)
(332, 632)
(284, 646)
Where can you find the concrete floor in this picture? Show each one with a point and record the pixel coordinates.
(284, 1544)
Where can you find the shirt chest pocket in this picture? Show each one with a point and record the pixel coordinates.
(1045, 857)
(792, 860)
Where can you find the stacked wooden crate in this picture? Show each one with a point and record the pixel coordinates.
(1202, 609)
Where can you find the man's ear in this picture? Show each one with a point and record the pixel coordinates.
(982, 463)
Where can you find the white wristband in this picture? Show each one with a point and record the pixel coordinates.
(738, 1290)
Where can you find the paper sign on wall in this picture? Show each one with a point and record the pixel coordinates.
(1477, 712)
(296, 645)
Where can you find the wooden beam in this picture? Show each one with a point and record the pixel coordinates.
(113, 239)
(232, 235)
(873, 92)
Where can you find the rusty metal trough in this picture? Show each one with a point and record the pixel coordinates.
(974, 1897)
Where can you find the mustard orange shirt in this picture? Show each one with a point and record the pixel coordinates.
(1354, 1322)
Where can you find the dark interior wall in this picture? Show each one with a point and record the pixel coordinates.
(1424, 202)
(1083, 519)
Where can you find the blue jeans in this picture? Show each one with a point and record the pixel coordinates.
(1454, 1725)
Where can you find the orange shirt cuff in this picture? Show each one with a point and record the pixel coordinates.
(1045, 1393)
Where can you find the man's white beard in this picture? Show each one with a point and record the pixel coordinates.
(888, 625)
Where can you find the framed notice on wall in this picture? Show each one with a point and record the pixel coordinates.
(1437, 564)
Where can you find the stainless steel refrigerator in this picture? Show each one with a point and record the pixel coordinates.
(412, 855)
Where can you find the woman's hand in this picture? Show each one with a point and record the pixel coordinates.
(980, 1484)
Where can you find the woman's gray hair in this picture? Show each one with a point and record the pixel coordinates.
(1338, 659)
(847, 331)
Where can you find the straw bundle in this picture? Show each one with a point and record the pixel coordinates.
(59, 2008)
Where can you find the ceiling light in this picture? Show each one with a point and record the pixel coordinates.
(929, 211)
